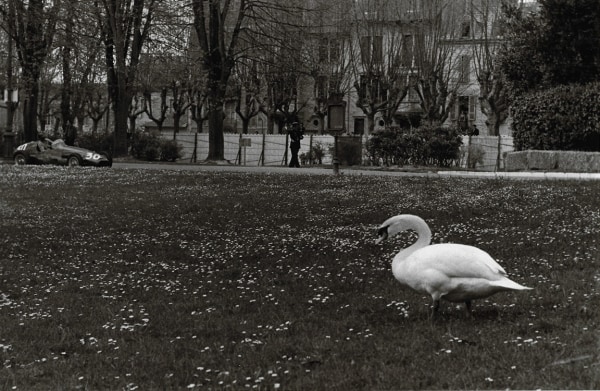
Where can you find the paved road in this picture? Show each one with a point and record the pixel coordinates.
(359, 171)
(352, 171)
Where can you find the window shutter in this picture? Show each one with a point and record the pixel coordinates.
(365, 50)
(465, 69)
(472, 107)
(378, 49)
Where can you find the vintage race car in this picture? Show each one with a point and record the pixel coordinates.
(57, 152)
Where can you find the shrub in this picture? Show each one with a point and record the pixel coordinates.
(150, 146)
(442, 145)
(475, 154)
(349, 150)
(561, 118)
(426, 145)
(170, 150)
(381, 147)
(146, 146)
(314, 155)
(96, 142)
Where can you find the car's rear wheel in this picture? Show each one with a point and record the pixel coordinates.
(20, 159)
(74, 161)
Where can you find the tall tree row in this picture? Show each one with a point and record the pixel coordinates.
(125, 28)
(218, 25)
(32, 26)
(226, 29)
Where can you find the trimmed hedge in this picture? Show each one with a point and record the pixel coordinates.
(150, 146)
(426, 145)
(565, 118)
(99, 142)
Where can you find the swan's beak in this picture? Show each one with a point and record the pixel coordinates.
(382, 235)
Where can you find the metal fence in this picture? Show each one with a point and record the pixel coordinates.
(252, 149)
(485, 153)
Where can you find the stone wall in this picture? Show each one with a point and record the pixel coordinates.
(564, 161)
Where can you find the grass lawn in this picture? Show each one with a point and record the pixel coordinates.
(133, 279)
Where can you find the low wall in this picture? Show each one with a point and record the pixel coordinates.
(565, 161)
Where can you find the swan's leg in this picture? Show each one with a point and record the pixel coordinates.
(468, 304)
(435, 308)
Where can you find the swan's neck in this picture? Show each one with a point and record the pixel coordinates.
(424, 237)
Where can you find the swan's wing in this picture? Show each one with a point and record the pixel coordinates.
(456, 260)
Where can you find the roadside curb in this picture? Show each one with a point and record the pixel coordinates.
(516, 175)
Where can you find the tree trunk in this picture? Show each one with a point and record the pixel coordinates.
(176, 118)
(121, 111)
(95, 122)
(216, 141)
(370, 123)
(493, 123)
(132, 121)
(30, 104)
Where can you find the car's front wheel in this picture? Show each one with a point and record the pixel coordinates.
(74, 161)
(20, 159)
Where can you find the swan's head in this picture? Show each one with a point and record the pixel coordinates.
(397, 224)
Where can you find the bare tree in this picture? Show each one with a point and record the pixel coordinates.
(486, 42)
(126, 26)
(198, 107)
(329, 56)
(381, 65)
(217, 25)
(438, 79)
(31, 24)
(247, 88)
(283, 72)
(80, 48)
(49, 94)
(169, 49)
(153, 88)
(221, 26)
(97, 105)
(137, 107)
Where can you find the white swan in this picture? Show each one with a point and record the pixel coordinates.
(452, 272)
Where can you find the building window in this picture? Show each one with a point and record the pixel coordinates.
(359, 126)
(372, 88)
(371, 49)
(323, 50)
(365, 50)
(378, 49)
(330, 50)
(465, 29)
(464, 112)
(335, 50)
(498, 28)
(407, 51)
(321, 87)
